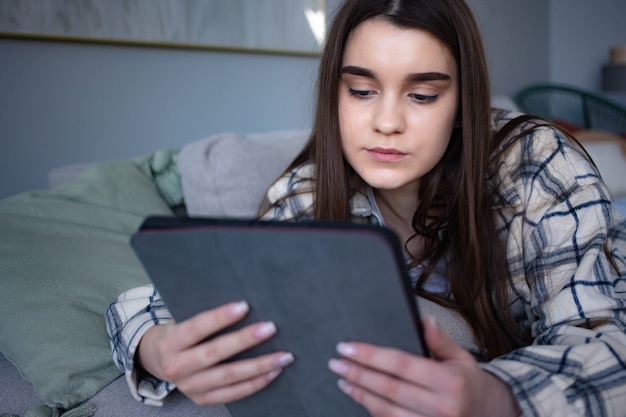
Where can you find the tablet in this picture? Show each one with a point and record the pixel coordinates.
(321, 283)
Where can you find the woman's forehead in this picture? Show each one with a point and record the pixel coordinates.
(378, 43)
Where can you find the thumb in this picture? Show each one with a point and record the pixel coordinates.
(441, 346)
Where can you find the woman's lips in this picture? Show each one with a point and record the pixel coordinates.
(385, 154)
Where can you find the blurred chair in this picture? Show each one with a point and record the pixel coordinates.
(572, 108)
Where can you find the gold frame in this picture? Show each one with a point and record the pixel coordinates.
(34, 33)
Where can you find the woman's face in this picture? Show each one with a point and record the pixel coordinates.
(398, 101)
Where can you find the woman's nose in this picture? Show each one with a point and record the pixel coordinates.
(388, 118)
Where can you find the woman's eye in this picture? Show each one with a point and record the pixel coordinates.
(360, 93)
(422, 98)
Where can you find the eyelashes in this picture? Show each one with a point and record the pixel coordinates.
(359, 93)
(421, 98)
(364, 94)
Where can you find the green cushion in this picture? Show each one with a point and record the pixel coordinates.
(64, 256)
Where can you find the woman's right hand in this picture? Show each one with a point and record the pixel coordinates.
(175, 352)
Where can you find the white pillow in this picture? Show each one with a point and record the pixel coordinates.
(227, 175)
(611, 163)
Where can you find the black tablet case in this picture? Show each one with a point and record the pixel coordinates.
(320, 283)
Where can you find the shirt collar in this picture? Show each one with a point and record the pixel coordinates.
(362, 204)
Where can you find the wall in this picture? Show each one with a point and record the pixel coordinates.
(64, 103)
(515, 34)
(581, 35)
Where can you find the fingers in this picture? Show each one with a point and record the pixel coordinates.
(232, 381)
(196, 329)
(389, 381)
(375, 405)
(236, 392)
(196, 365)
(404, 364)
(387, 360)
(216, 350)
(374, 389)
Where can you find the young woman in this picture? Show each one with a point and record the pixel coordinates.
(503, 217)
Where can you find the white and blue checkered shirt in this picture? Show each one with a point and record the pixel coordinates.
(557, 218)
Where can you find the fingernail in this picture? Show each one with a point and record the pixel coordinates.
(344, 386)
(273, 374)
(284, 360)
(238, 309)
(338, 366)
(264, 330)
(346, 349)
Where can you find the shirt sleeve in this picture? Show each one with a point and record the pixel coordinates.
(291, 196)
(127, 320)
(573, 299)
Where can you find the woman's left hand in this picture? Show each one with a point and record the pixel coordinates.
(390, 382)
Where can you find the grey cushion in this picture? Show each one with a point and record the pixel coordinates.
(228, 174)
(17, 396)
(115, 400)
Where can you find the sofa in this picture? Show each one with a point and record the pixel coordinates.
(65, 255)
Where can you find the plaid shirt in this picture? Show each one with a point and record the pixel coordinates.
(555, 221)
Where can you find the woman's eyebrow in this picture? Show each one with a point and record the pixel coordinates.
(427, 76)
(359, 71)
(416, 77)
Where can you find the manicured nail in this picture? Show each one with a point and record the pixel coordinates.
(273, 374)
(284, 360)
(264, 330)
(238, 309)
(337, 366)
(346, 349)
(345, 386)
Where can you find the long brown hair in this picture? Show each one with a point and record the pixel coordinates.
(455, 217)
